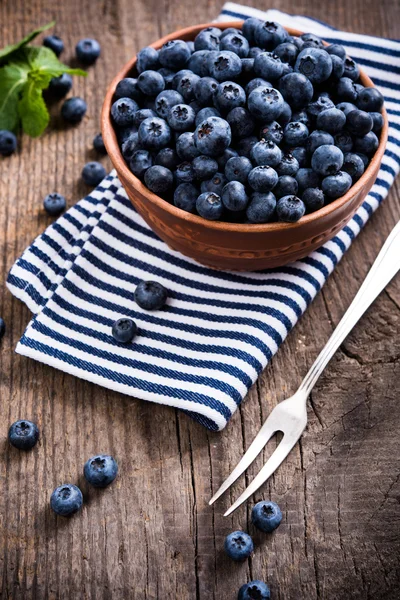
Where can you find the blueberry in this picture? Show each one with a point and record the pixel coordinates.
(226, 155)
(100, 470)
(93, 173)
(241, 122)
(265, 103)
(8, 142)
(23, 434)
(359, 122)
(268, 35)
(154, 133)
(313, 199)
(351, 69)
(123, 112)
(296, 89)
(249, 28)
(255, 83)
(151, 83)
(87, 51)
(289, 165)
(353, 165)
(286, 69)
(344, 141)
(142, 114)
(261, 207)
(128, 88)
(204, 167)
(286, 186)
(215, 184)
(234, 196)
(225, 66)
(198, 63)
(327, 160)
(320, 104)
(185, 197)
(307, 178)
(168, 76)
(238, 168)
(2, 328)
(235, 42)
(263, 178)
(54, 204)
(244, 145)
(346, 107)
(286, 115)
(331, 120)
(266, 515)
(313, 40)
(181, 117)
(205, 90)
(124, 330)
(186, 148)
(290, 209)
(337, 68)
(167, 157)
(55, 44)
(364, 158)
(206, 40)
(174, 54)
(300, 154)
(60, 86)
(184, 173)
(147, 59)
(130, 145)
(337, 50)
(205, 113)
(98, 144)
(377, 120)
(140, 162)
(185, 83)
(336, 185)
(266, 153)
(272, 132)
(213, 136)
(66, 500)
(254, 590)
(209, 206)
(268, 66)
(287, 52)
(229, 95)
(158, 179)
(166, 100)
(367, 144)
(238, 545)
(315, 64)
(196, 106)
(370, 100)
(229, 30)
(346, 91)
(247, 69)
(318, 138)
(73, 110)
(295, 134)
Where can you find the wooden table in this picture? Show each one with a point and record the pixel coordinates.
(152, 535)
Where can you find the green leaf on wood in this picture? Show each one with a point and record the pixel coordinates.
(12, 80)
(6, 52)
(32, 109)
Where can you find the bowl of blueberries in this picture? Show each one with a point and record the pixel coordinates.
(245, 145)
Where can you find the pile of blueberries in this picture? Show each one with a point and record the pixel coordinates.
(247, 126)
(66, 499)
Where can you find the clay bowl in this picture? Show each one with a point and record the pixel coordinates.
(233, 246)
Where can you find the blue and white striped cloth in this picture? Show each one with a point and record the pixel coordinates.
(219, 330)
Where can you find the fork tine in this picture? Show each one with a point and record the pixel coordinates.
(278, 456)
(264, 435)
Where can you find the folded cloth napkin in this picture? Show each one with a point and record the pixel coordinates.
(219, 329)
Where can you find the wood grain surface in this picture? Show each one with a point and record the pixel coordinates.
(152, 535)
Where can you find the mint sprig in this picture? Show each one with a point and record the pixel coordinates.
(26, 74)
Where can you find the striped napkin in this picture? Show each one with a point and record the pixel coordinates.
(219, 329)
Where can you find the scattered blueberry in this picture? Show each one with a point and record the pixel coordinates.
(74, 109)
(60, 86)
(124, 330)
(66, 500)
(266, 516)
(54, 204)
(93, 173)
(55, 44)
(254, 590)
(238, 545)
(150, 295)
(98, 144)
(8, 142)
(2, 328)
(23, 434)
(87, 51)
(100, 470)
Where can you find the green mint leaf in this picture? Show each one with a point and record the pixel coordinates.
(43, 61)
(32, 109)
(8, 50)
(12, 80)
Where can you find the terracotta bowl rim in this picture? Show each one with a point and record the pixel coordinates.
(111, 143)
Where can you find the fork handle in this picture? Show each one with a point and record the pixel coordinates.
(382, 271)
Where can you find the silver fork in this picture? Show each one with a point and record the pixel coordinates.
(290, 416)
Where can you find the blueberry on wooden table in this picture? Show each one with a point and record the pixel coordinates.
(87, 51)
(93, 173)
(266, 516)
(55, 43)
(100, 470)
(73, 110)
(124, 330)
(98, 144)
(54, 204)
(254, 590)
(23, 434)
(238, 545)
(2, 328)
(60, 86)
(8, 142)
(150, 295)
(66, 500)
